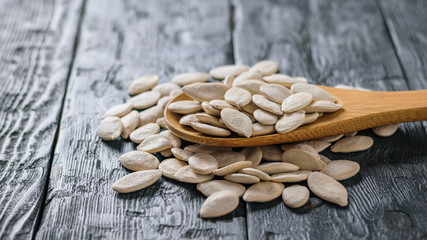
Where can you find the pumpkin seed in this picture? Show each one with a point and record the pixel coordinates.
(210, 187)
(163, 101)
(219, 204)
(250, 108)
(290, 121)
(265, 117)
(238, 96)
(143, 84)
(228, 81)
(210, 130)
(209, 119)
(305, 160)
(175, 141)
(144, 100)
(185, 107)
(318, 145)
(261, 129)
(322, 106)
(295, 196)
(250, 75)
(166, 153)
(271, 153)
(255, 172)
(284, 80)
(310, 117)
(130, 122)
(207, 107)
(166, 88)
(242, 178)
(327, 188)
(186, 174)
(352, 144)
(141, 133)
(317, 93)
(253, 86)
(150, 115)
(191, 77)
(154, 143)
(385, 131)
(232, 168)
(341, 169)
(252, 154)
(170, 166)
(297, 176)
(118, 110)
(200, 148)
(324, 159)
(203, 163)
(181, 154)
(175, 92)
(110, 128)
(266, 67)
(275, 92)
(136, 181)
(296, 102)
(227, 158)
(186, 120)
(237, 122)
(205, 91)
(266, 104)
(277, 167)
(221, 104)
(302, 146)
(263, 192)
(161, 122)
(228, 70)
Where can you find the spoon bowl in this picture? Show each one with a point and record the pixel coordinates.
(361, 110)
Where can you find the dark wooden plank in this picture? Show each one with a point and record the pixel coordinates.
(339, 42)
(37, 41)
(121, 40)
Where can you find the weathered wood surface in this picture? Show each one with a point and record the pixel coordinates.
(337, 42)
(119, 41)
(36, 48)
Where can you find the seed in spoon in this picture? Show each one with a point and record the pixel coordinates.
(317, 93)
(290, 121)
(205, 91)
(210, 130)
(227, 70)
(238, 96)
(266, 104)
(265, 117)
(237, 122)
(296, 102)
(185, 107)
(275, 92)
(322, 106)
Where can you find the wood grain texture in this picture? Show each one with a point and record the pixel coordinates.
(119, 41)
(339, 42)
(36, 48)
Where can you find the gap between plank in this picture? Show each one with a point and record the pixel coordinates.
(55, 140)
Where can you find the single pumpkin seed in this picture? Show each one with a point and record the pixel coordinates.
(284, 80)
(310, 117)
(295, 196)
(237, 122)
(166, 153)
(118, 110)
(162, 122)
(266, 104)
(228, 81)
(227, 158)
(110, 128)
(327, 188)
(219, 204)
(250, 75)
(250, 108)
(242, 178)
(238, 96)
(210, 187)
(277, 167)
(163, 101)
(170, 166)
(185, 107)
(205, 91)
(290, 121)
(232, 168)
(317, 93)
(264, 117)
(296, 102)
(305, 160)
(261, 129)
(186, 174)
(191, 77)
(222, 72)
(150, 115)
(385, 131)
(255, 172)
(322, 106)
(275, 92)
(155, 143)
(263, 192)
(186, 120)
(253, 86)
(138, 135)
(266, 67)
(221, 104)
(181, 154)
(207, 107)
(144, 100)
(324, 159)
(203, 163)
(297, 176)
(341, 169)
(130, 122)
(136, 181)
(143, 84)
(210, 129)
(175, 141)
(352, 144)
(166, 88)
(209, 119)
(252, 154)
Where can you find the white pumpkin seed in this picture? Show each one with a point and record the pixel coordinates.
(110, 128)
(228, 81)
(196, 148)
(297, 176)
(163, 101)
(209, 119)
(352, 144)
(264, 117)
(250, 75)
(271, 153)
(175, 92)
(327, 188)
(166, 88)
(252, 154)
(232, 168)
(317, 93)
(205, 91)
(210, 187)
(138, 135)
(242, 178)
(221, 104)
(266, 104)
(284, 80)
(154, 143)
(296, 102)
(228, 70)
(305, 160)
(238, 96)
(144, 100)
(253, 86)
(290, 121)
(310, 117)
(322, 106)
(143, 84)
(266, 67)
(277, 167)
(186, 174)
(181, 154)
(295, 196)
(203, 163)
(341, 169)
(170, 166)
(130, 122)
(250, 116)
(191, 77)
(207, 107)
(166, 153)
(301, 146)
(250, 108)
(185, 107)
(263, 192)
(187, 119)
(219, 204)
(150, 115)
(275, 92)
(324, 159)
(237, 122)
(385, 131)
(138, 161)
(136, 181)
(255, 172)
(261, 129)
(175, 141)
(210, 129)
(227, 158)
(162, 122)
(118, 110)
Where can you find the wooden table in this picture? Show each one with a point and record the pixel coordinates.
(63, 63)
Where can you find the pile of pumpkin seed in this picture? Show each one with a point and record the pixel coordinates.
(250, 101)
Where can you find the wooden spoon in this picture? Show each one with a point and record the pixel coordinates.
(362, 110)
